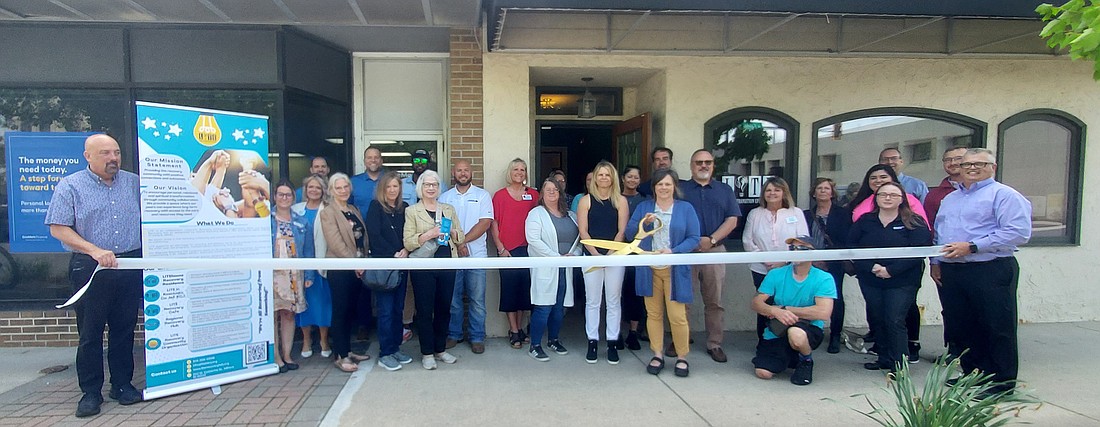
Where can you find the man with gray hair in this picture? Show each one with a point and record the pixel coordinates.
(981, 224)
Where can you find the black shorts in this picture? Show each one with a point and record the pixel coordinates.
(777, 355)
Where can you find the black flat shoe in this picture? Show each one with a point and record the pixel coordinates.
(681, 372)
(655, 369)
(291, 366)
(283, 369)
(872, 366)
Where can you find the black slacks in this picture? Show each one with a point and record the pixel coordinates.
(979, 306)
(113, 302)
(433, 291)
(345, 288)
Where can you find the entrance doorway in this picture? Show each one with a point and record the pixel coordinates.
(574, 147)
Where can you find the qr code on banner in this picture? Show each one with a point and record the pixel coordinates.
(255, 353)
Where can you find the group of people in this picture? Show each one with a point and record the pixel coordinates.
(380, 214)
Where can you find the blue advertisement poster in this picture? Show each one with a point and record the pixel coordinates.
(205, 194)
(36, 162)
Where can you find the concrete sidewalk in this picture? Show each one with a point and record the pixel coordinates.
(505, 386)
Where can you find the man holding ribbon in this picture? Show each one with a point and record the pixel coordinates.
(95, 213)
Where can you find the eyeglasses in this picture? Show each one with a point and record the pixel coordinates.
(284, 195)
(420, 161)
(799, 248)
(952, 159)
(431, 184)
(704, 162)
(975, 165)
(888, 196)
(891, 158)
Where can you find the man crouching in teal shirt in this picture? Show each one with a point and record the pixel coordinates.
(797, 298)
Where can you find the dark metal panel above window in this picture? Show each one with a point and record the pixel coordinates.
(316, 68)
(62, 55)
(204, 55)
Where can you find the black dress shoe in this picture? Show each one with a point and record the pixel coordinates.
(89, 405)
(125, 395)
(872, 366)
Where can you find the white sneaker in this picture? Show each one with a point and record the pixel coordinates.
(428, 362)
(326, 353)
(307, 353)
(446, 357)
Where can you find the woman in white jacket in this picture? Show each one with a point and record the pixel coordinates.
(551, 231)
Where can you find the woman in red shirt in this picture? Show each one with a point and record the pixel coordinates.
(510, 207)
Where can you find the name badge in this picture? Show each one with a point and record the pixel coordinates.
(791, 220)
(526, 197)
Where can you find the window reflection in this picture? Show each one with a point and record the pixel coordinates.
(1037, 160)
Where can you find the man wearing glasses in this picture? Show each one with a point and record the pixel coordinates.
(797, 298)
(892, 157)
(951, 159)
(981, 224)
(420, 159)
(716, 205)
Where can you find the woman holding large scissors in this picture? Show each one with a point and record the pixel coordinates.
(665, 288)
(602, 214)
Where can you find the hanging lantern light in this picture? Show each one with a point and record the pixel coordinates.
(586, 107)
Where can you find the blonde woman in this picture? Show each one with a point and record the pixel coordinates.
(510, 207)
(602, 214)
(318, 297)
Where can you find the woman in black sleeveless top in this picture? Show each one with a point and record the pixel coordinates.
(602, 215)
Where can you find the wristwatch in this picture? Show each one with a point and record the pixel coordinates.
(713, 241)
(973, 248)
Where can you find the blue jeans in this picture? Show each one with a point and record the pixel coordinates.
(547, 318)
(469, 283)
(390, 305)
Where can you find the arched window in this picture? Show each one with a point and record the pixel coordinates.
(845, 146)
(1039, 153)
(753, 141)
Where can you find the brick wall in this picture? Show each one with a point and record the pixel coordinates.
(53, 328)
(465, 101)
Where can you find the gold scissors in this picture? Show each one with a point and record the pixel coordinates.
(623, 248)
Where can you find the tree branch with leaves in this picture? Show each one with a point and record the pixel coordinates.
(1075, 26)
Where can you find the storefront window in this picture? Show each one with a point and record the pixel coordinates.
(44, 276)
(1039, 156)
(315, 127)
(846, 146)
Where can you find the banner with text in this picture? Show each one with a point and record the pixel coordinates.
(36, 162)
(204, 194)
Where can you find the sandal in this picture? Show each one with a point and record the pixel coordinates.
(357, 358)
(346, 365)
(655, 369)
(681, 372)
(515, 339)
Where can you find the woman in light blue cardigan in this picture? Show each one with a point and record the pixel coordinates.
(666, 288)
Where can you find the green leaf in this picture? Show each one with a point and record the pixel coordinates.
(1087, 41)
(1052, 27)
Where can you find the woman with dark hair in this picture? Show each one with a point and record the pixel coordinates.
(864, 203)
(386, 215)
(877, 175)
(633, 305)
(829, 224)
(889, 285)
(768, 227)
(666, 288)
(291, 237)
(551, 231)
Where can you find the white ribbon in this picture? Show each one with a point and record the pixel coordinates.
(509, 262)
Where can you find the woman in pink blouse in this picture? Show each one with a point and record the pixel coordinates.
(768, 227)
(875, 177)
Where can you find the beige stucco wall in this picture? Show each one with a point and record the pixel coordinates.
(687, 91)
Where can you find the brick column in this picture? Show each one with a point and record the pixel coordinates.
(465, 99)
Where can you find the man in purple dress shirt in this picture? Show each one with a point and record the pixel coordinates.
(95, 214)
(980, 225)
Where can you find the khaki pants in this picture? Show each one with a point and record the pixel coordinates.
(709, 279)
(656, 306)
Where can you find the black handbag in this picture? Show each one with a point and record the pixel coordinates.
(383, 280)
